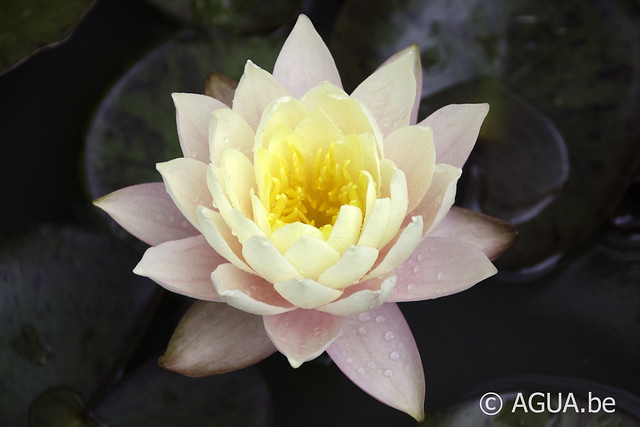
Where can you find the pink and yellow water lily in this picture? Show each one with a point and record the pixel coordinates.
(300, 216)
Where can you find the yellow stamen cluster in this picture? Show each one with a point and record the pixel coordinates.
(309, 193)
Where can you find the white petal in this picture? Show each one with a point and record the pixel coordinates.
(346, 229)
(219, 236)
(193, 115)
(186, 183)
(354, 263)
(148, 212)
(362, 297)
(376, 224)
(182, 266)
(287, 235)
(248, 292)
(267, 261)
(311, 256)
(376, 351)
(411, 149)
(491, 235)
(440, 267)
(304, 61)
(440, 196)
(306, 293)
(237, 171)
(390, 92)
(229, 130)
(400, 250)
(256, 89)
(398, 194)
(455, 131)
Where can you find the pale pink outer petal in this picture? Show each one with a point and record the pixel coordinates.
(440, 267)
(492, 235)
(440, 196)
(389, 93)
(193, 115)
(376, 351)
(413, 50)
(302, 335)
(147, 212)
(248, 292)
(455, 131)
(186, 182)
(213, 338)
(256, 89)
(182, 266)
(304, 61)
(362, 297)
(411, 150)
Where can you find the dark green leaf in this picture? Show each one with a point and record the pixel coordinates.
(27, 25)
(71, 312)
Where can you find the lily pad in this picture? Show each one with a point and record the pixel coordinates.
(135, 127)
(28, 25)
(151, 396)
(242, 15)
(574, 67)
(71, 312)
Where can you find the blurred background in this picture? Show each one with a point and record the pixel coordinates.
(85, 109)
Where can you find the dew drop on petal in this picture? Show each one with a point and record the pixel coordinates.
(364, 316)
(171, 218)
(361, 371)
(226, 140)
(389, 336)
(349, 360)
(440, 275)
(420, 257)
(184, 223)
(433, 249)
(388, 373)
(159, 217)
(411, 287)
(416, 269)
(362, 330)
(380, 319)
(394, 355)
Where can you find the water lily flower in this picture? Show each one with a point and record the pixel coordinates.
(301, 215)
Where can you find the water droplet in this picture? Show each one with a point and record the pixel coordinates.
(362, 330)
(416, 269)
(171, 218)
(159, 217)
(433, 249)
(194, 154)
(361, 371)
(349, 360)
(389, 336)
(440, 275)
(317, 331)
(184, 224)
(420, 257)
(226, 140)
(394, 355)
(388, 373)
(411, 287)
(364, 317)
(380, 319)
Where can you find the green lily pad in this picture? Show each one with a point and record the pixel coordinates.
(575, 65)
(243, 15)
(135, 126)
(152, 396)
(71, 312)
(28, 25)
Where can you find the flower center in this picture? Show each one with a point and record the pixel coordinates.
(310, 193)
